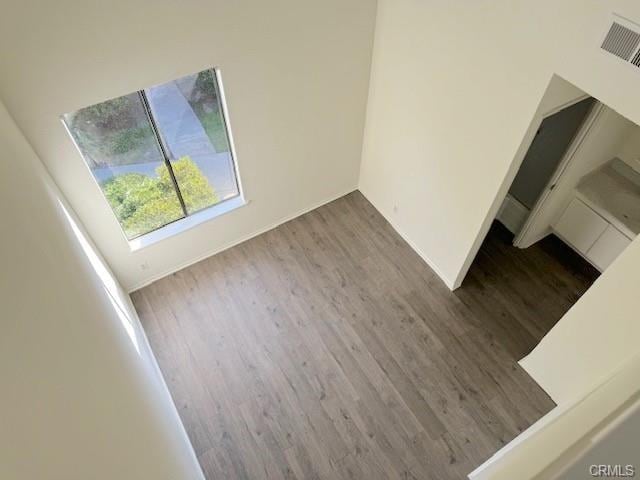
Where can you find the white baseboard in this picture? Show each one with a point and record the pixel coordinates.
(492, 466)
(238, 241)
(512, 214)
(446, 280)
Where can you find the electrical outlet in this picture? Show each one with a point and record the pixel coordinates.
(395, 209)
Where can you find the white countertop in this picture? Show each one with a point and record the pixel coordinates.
(613, 191)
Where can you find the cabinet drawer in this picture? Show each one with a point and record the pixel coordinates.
(607, 247)
(580, 226)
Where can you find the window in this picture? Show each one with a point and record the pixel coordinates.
(160, 154)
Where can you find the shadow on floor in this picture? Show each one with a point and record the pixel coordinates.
(530, 288)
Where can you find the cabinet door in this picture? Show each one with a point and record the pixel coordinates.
(580, 226)
(607, 248)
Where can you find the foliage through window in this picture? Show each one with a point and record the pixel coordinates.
(159, 154)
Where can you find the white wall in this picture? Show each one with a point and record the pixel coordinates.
(82, 396)
(558, 94)
(453, 89)
(595, 337)
(630, 150)
(296, 77)
(612, 443)
(604, 141)
(614, 323)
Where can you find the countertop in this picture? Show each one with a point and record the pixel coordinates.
(613, 191)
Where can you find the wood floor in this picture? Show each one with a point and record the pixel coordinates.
(327, 349)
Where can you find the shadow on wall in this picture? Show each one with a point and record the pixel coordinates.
(118, 298)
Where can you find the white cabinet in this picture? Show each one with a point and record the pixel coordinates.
(607, 248)
(590, 234)
(580, 226)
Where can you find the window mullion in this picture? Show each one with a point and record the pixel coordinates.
(165, 153)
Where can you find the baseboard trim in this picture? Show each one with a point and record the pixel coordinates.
(446, 280)
(238, 241)
(525, 365)
(512, 214)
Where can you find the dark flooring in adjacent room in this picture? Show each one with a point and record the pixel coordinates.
(326, 348)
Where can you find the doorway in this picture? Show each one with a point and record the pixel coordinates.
(577, 185)
(541, 162)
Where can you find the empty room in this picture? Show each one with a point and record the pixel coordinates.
(359, 239)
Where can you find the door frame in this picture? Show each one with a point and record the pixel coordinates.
(524, 238)
(503, 190)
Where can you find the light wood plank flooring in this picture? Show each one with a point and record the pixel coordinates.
(327, 349)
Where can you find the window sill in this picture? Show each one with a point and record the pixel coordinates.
(186, 223)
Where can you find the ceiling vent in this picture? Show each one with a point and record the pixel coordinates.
(622, 42)
(636, 59)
